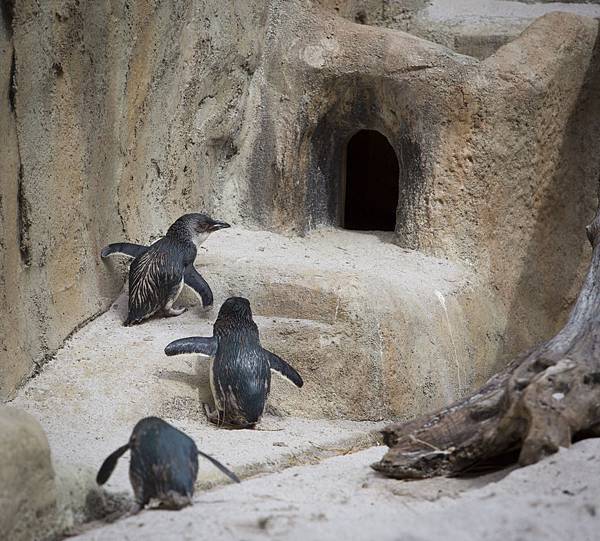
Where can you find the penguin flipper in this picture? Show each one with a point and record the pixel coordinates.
(287, 371)
(123, 248)
(109, 464)
(193, 344)
(193, 279)
(220, 466)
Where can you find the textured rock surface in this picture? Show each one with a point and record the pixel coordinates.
(377, 331)
(121, 116)
(90, 157)
(28, 500)
(494, 153)
(118, 117)
(474, 27)
(322, 302)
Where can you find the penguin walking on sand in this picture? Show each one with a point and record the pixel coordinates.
(240, 371)
(159, 271)
(163, 466)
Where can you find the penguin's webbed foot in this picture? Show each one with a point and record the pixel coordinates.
(214, 416)
(172, 312)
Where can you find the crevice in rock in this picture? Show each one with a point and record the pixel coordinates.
(23, 206)
(45, 359)
(12, 90)
(7, 8)
(24, 221)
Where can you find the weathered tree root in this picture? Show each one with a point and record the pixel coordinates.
(537, 404)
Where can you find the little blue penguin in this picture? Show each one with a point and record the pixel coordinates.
(159, 271)
(163, 466)
(240, 371)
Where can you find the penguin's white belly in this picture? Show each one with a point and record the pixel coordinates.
(211, 379)
(173, 297)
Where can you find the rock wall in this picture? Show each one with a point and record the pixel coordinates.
(121, 116)
(499, 159)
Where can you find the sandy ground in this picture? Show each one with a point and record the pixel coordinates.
(341, 498)
(107, 377)
(303, 478)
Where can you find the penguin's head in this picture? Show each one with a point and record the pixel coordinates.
(196, 227)
(235, 308)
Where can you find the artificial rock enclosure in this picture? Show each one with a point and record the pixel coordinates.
(467, 140)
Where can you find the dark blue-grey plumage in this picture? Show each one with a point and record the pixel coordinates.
(158, 272)
(163, 466)
(241, 369)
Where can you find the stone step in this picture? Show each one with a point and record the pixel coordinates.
(379, 331)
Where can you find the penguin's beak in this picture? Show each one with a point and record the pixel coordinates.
(215, 226)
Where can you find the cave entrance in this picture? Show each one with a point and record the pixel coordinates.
(371, 183)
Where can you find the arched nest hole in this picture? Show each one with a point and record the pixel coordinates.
(370, 183)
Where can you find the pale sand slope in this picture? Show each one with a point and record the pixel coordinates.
(107, 377)
(341, 498)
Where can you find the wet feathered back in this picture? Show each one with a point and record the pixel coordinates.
(155, 275)
(235, 316)
(163, 466)
(241, 367)
(163, 459)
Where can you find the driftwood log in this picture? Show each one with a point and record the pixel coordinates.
(538, 403)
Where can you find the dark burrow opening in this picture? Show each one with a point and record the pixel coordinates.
(371, 183)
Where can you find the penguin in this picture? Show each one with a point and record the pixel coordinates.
(240, 371)
(158, 272)
(163, 466)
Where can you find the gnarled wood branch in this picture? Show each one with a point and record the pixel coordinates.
(537, 404)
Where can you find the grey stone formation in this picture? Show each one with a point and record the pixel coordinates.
(120, 117)
(28, 500)
(474, 27)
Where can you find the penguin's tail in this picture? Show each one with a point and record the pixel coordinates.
(109, 464)
(220, 466)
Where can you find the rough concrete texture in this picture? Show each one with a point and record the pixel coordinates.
(479, 27)
(474, 27)
(340, 498)
(28, 498)
(491, 170)
(121, 116)
(90, 154)
(326, 304)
